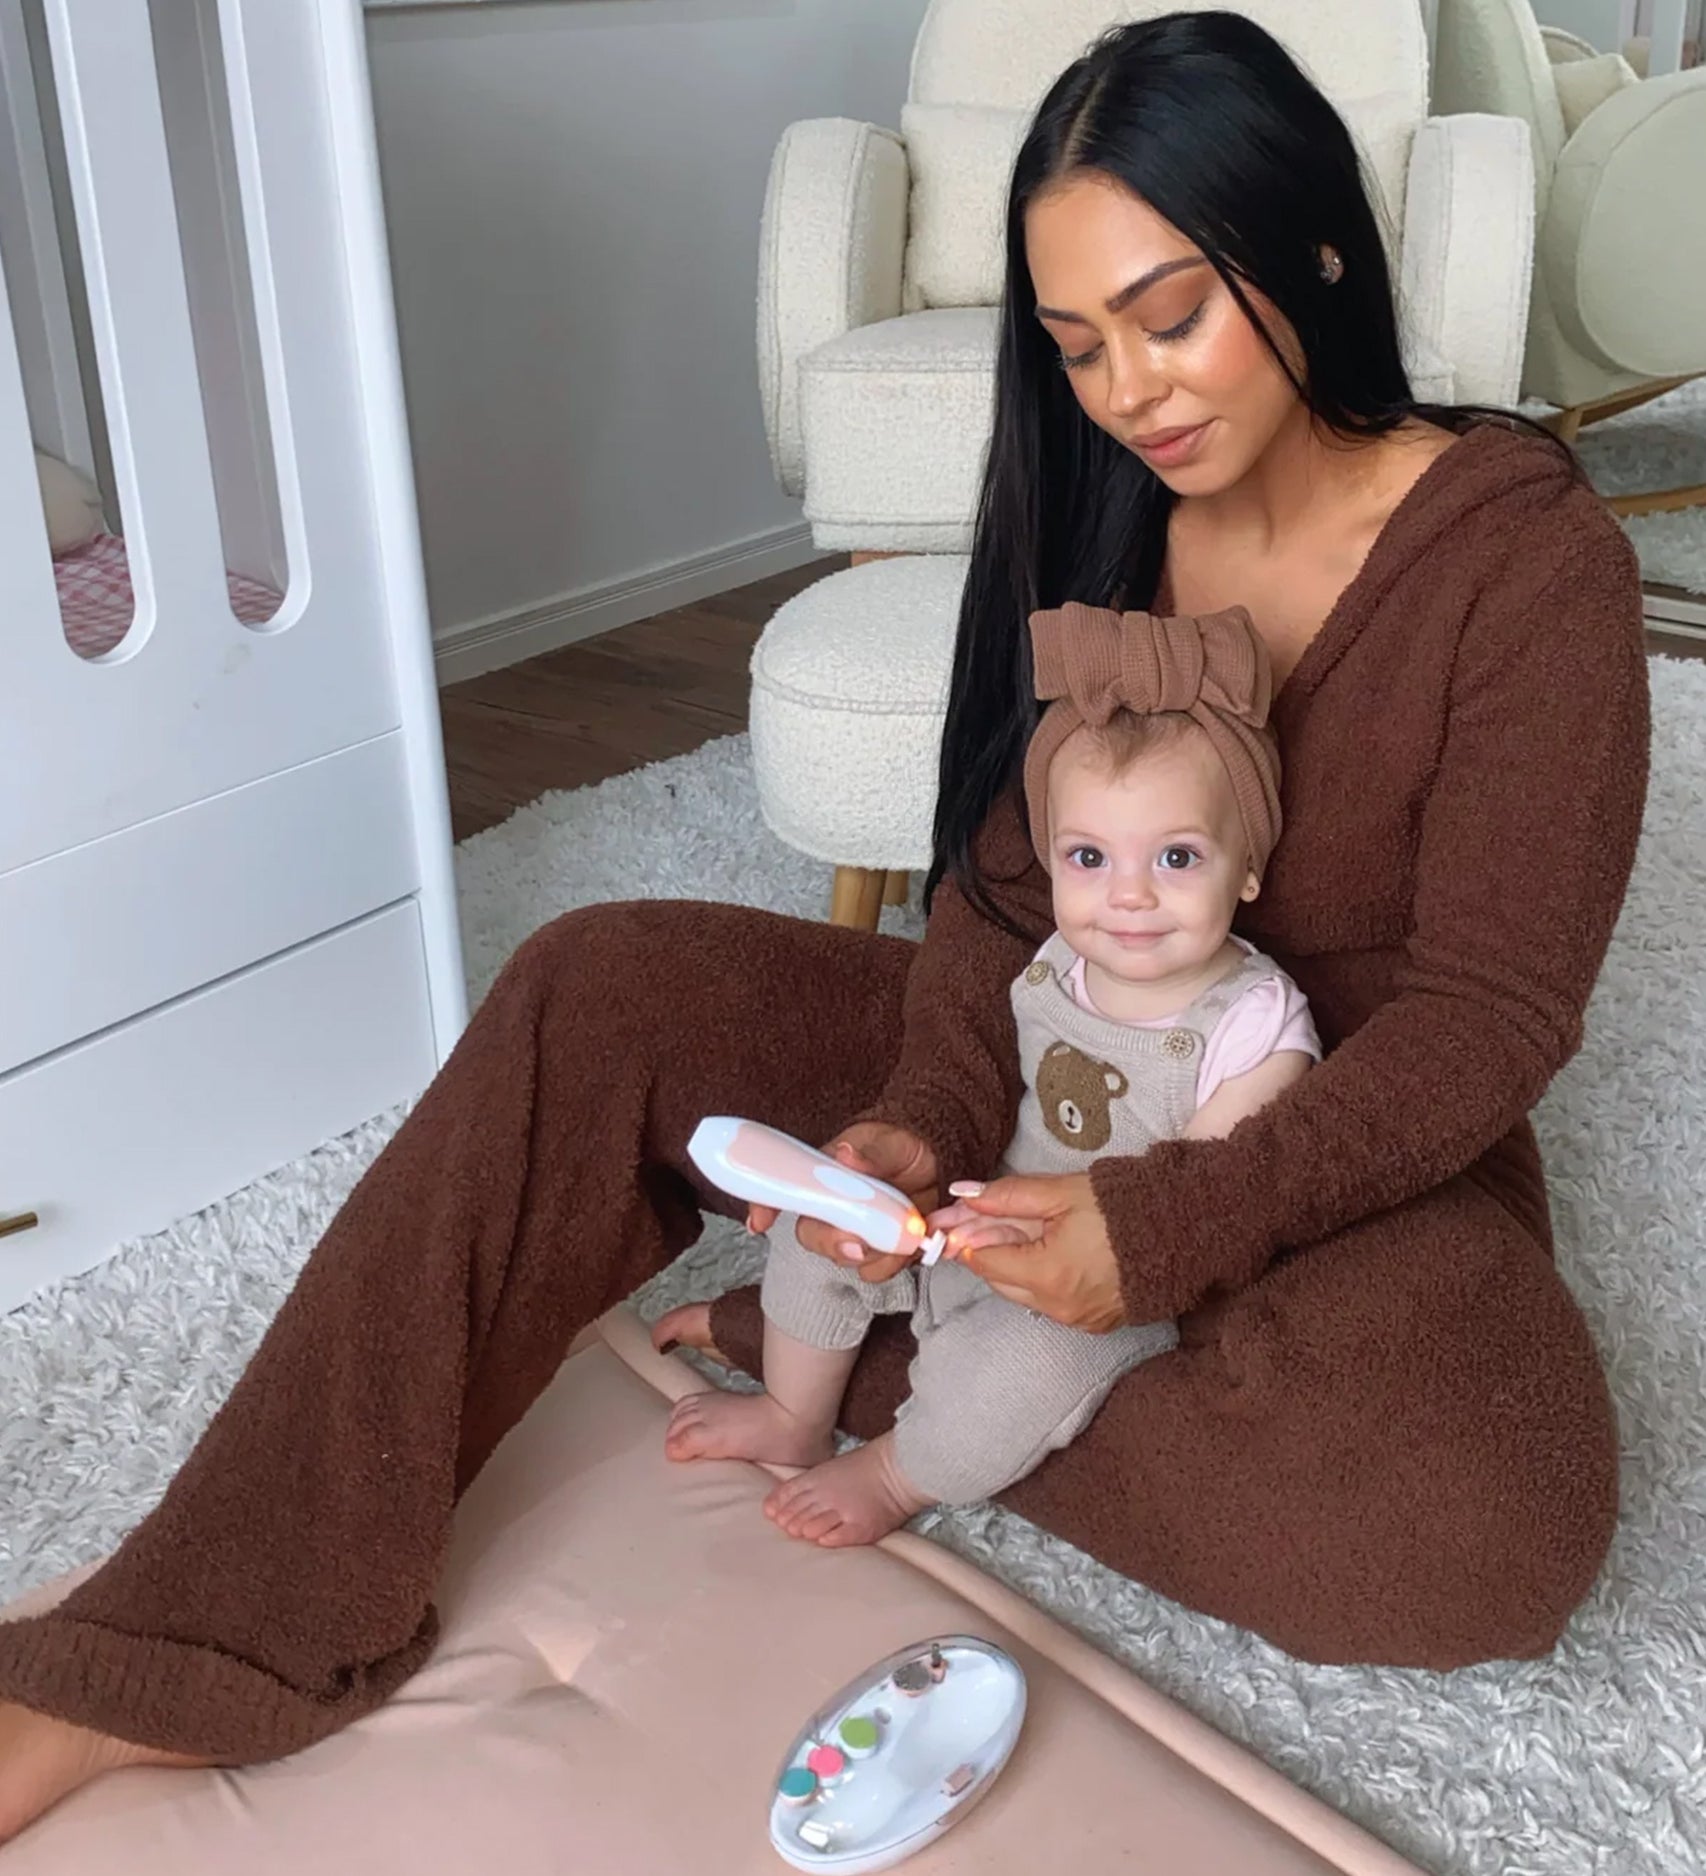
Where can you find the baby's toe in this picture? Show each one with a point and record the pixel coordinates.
(686, 1428)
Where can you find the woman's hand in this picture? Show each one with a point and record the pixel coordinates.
(1069, 1272)
(888, 1153)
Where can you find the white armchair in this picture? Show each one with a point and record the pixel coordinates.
(881, 261)
(1618, 310)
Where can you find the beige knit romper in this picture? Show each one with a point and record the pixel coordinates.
(995, 1388)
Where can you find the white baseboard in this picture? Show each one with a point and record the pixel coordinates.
(464, 651)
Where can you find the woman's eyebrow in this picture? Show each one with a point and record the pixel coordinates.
(1126, 295)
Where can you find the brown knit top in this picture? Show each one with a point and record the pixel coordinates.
(1465, 754)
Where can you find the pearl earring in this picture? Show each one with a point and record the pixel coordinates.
(1332, 267)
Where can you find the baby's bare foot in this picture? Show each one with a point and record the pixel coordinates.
(743, 1426)
(854, 1499)
(690, 1326)
(43, 1760)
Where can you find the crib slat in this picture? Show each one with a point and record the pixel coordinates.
(115, 146)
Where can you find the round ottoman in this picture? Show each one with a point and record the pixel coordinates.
(849, 686)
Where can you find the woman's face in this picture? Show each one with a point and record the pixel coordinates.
(1156, 349)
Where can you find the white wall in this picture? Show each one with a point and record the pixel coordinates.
(1606, 23)
(573, 191)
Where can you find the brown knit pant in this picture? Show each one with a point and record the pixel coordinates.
(1296, 1466)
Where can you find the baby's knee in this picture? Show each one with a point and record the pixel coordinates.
(993, 1396)
(813, 1300)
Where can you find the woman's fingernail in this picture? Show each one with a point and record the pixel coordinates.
(852, 1250)
(669, 1347)
(966, 1189)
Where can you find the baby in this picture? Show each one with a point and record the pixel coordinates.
(1153, 790)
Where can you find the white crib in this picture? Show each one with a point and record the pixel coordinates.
(227, 918)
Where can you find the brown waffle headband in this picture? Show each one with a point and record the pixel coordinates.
(1090, 661)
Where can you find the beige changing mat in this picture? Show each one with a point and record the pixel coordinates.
(629, 1646)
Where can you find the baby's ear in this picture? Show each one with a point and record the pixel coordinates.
(1252, 887)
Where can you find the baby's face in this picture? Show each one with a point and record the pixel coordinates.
(1148, 868)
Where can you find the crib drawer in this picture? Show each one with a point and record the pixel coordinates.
(98, 934)
(162, 1115)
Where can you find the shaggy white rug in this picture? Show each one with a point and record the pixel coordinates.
(1661, 445)
(1591, 1761)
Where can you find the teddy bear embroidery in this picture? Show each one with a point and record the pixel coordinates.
(1076, 1094)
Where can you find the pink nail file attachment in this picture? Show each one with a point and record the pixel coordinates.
(757, 1163)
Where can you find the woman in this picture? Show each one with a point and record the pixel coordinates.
(1385, 1435)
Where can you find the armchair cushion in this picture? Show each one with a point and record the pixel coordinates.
(961, 158)
(1585, 84)
(896, 420)
(961, 161)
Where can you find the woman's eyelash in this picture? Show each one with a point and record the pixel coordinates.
(1184, 326)
(1077, 362)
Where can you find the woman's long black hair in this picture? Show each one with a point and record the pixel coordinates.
(1207, 118)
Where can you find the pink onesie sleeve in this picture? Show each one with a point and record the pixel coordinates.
(1271, 1016)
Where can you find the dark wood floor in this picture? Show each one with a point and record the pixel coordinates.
(655, 689)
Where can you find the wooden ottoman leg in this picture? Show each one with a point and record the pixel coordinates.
(1659, 501)
(856, 898)
(895, 891)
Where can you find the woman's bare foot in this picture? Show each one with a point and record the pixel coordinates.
(854, 1499)
(743, 1426)
(690, 1327)
(43, 1760)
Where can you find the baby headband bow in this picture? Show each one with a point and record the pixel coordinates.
(1090, 661)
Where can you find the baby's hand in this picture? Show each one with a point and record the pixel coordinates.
(975, 1231)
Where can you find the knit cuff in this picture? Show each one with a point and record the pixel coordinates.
(1173, 1231)
(822, 1304)
(183, 1697)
